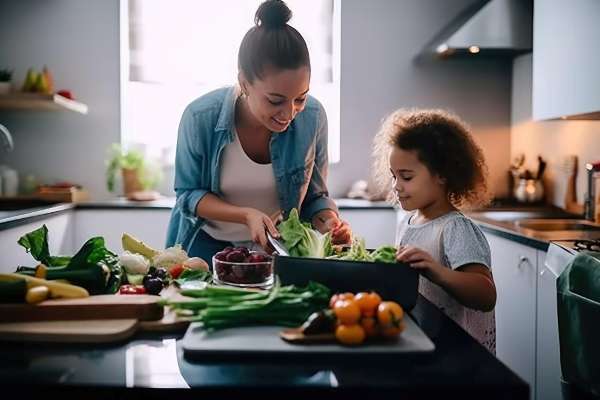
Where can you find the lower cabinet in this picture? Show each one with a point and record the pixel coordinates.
(60, 240)
(548, 371)
(376, 226)
(514, 267)
(150, 226)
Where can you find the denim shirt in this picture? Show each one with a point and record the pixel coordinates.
(298, 157)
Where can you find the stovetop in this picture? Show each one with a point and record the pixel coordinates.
(580, 245)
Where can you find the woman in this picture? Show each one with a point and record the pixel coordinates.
(248, 153)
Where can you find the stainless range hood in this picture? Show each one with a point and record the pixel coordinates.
(487, 28)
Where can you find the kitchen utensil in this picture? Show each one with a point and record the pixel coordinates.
(569, 167)
(529, 190)
(110, 306)
(277, 245)
(392, 281)
(10, 181)
(541, 168)
(264, 342)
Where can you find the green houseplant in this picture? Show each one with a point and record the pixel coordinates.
(138, 174)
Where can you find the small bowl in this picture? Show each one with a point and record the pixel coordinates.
(243, 274)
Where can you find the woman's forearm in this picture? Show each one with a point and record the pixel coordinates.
(472, 289)
(213, 208)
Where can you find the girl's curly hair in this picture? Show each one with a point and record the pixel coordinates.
(443, 143)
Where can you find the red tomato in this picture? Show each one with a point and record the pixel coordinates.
(132, 289)
(176, 270)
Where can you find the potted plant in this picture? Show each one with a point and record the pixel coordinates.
(137, 173)
(5, 81)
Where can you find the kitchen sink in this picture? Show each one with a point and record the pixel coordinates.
(558, 225)
(519, 215)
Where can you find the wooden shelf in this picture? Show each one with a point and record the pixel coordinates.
(38, 101)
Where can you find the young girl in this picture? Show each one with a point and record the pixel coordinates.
(436, 169)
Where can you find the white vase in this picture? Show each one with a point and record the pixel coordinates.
(5, 87)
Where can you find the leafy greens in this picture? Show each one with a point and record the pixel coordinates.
(303, 241)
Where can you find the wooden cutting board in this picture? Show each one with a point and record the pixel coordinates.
(90, 331)
(110, 306)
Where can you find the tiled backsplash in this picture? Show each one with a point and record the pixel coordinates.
(553, 140)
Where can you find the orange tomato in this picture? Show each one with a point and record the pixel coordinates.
(389, 314)
(340, 296)
(392, 331)
(346, 312)
(367, 302)
(350, 334)
(369, 324)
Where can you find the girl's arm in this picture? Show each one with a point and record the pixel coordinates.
(471, 284)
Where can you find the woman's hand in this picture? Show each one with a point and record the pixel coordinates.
(422, 261)
(258, 222)
(341, 233)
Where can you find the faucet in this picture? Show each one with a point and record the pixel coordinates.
(6, 138)
(590, 196)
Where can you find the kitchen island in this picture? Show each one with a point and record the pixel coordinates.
(153, 366)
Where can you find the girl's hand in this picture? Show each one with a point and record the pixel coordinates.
(422, 261)
(258, 222)
(341, 233)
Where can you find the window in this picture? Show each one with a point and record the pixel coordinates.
(174, 51)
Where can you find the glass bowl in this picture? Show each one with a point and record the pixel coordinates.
(243, 274)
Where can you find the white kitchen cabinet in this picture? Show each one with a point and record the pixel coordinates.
(565, 59)
(60, 240)
(376, 226)
(148, 225)
(548, 346)
(515, 273)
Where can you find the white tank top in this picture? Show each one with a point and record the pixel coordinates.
(244, 183)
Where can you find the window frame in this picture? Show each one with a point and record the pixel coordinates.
(331, 107)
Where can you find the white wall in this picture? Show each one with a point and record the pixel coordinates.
(79, 40)
(379, 41)
(553, 140)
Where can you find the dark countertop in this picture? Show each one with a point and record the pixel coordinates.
(169, 202)
(501, 227)
(458, 367)
(12, 216)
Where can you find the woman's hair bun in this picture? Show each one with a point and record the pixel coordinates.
(272, 14)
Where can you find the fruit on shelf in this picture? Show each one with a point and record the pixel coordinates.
(49, 80)
(38, 82)
(30, 79)
(66, 93)
(40, 86)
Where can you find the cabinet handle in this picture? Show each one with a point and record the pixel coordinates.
(543, 272)
(523, 259)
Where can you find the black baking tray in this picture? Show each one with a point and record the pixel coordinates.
(392, 281)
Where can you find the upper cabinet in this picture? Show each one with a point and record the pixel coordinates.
(566, 60)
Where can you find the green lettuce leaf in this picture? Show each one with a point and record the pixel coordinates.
(301, 240)
(386, 254)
